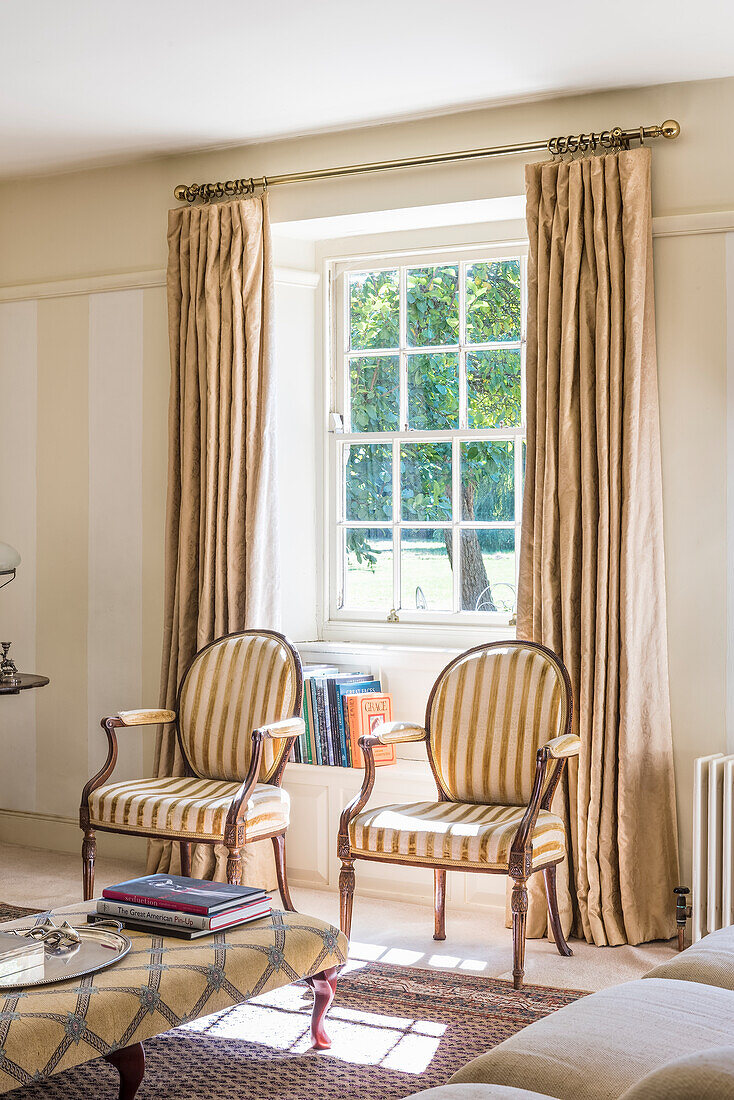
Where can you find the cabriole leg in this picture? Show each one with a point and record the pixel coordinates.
(324, 988)
(130, 1064)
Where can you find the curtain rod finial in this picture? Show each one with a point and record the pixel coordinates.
(670, 128)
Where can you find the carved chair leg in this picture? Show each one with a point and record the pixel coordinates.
(346, 895)
(324, 988)
(554, 919)
(281, 872)
(234, 866)
(89, 850)
(439, 904)
(519, 907)
(185, 849)
(130, 1064)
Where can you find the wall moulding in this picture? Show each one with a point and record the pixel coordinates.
(130, 280)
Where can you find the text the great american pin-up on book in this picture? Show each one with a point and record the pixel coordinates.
(186, 895)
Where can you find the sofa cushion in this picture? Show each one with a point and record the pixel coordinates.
(710, 961)
(601, 1045)
(708, 1075)
(477, 1092)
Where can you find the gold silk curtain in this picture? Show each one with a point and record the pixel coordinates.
(221, 521)
(592, 571)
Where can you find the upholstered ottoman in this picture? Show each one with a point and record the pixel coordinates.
(161, 983)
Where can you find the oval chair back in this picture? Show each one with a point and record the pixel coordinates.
(232, 686)
(489, 712)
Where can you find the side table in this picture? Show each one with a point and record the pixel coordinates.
(27, 680)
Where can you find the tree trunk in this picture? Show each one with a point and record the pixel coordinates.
(474, 580)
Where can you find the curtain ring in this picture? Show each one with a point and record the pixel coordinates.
(265, 184)
(642, 135)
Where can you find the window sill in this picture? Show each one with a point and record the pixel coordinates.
(337, 637)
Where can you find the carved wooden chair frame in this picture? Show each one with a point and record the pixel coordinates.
(234, 837)
(520, 861)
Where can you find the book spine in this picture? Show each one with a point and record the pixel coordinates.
(153, 903)
(316, 723)
(343, 739)
(338, 748)
(323, 719)
(309, 711)
(304, 739)
(353, 723)
(143, 913)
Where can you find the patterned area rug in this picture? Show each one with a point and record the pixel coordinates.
(12, 912)
(395, 1030)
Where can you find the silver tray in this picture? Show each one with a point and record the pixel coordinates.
(98, 948)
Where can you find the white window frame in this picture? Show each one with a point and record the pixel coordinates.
(336, 356)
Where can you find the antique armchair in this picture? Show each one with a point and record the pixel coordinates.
(498, 734)
(237, 715)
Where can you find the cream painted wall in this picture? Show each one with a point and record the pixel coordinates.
(65, 380)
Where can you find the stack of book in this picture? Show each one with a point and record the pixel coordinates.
(185, 907)
(21, 958)
(338, 708)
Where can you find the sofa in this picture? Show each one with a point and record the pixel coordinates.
(666, 1036)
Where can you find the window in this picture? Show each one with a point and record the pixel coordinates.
(427, 471)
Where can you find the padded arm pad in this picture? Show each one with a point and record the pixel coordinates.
(568, 744)
(145, 717)
(287, 727)
(394, 733)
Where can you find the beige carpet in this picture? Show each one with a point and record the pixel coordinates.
(395, 1030)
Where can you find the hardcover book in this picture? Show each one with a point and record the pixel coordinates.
(123, 910)
(364, 712)
(344, 690)
(186, 895)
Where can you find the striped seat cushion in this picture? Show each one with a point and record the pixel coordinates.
(490, 712)
(186, 807)
(232, 687)
(464, 834)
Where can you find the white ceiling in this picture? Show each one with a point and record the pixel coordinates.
(92, 81)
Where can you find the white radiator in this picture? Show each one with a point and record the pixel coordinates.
(713, 843)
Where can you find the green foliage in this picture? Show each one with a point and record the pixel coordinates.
(373, 312)
(493, 315)
(493, 302)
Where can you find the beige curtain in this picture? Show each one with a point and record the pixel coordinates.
(592, 573)
(221, 519)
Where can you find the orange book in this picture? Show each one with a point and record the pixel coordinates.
(364, 712)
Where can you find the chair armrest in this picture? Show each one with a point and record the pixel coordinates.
(568, 744)
(287, 727)
(394, 733)
(145, 717)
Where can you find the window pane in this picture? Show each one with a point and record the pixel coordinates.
(374, 317)
(425, 570)
(368, 568)
(488, 480)
(493, 302)
(368, 477)
(493, 392)
(433, 391)
(374, 391)
(433, 306)
(488, 570)
(425, 481)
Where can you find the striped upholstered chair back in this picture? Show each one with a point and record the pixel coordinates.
(489, 713)
(234, 685)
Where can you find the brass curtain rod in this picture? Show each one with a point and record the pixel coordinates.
(616, 138)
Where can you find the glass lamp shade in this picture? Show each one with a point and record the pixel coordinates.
(9, 558)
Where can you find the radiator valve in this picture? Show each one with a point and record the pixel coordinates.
(682, 912)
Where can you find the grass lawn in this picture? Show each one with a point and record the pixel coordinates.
(425, 565)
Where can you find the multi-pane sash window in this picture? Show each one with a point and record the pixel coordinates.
(429, 467)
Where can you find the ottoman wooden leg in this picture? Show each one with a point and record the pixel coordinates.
(130, 1064)
(324, 988)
